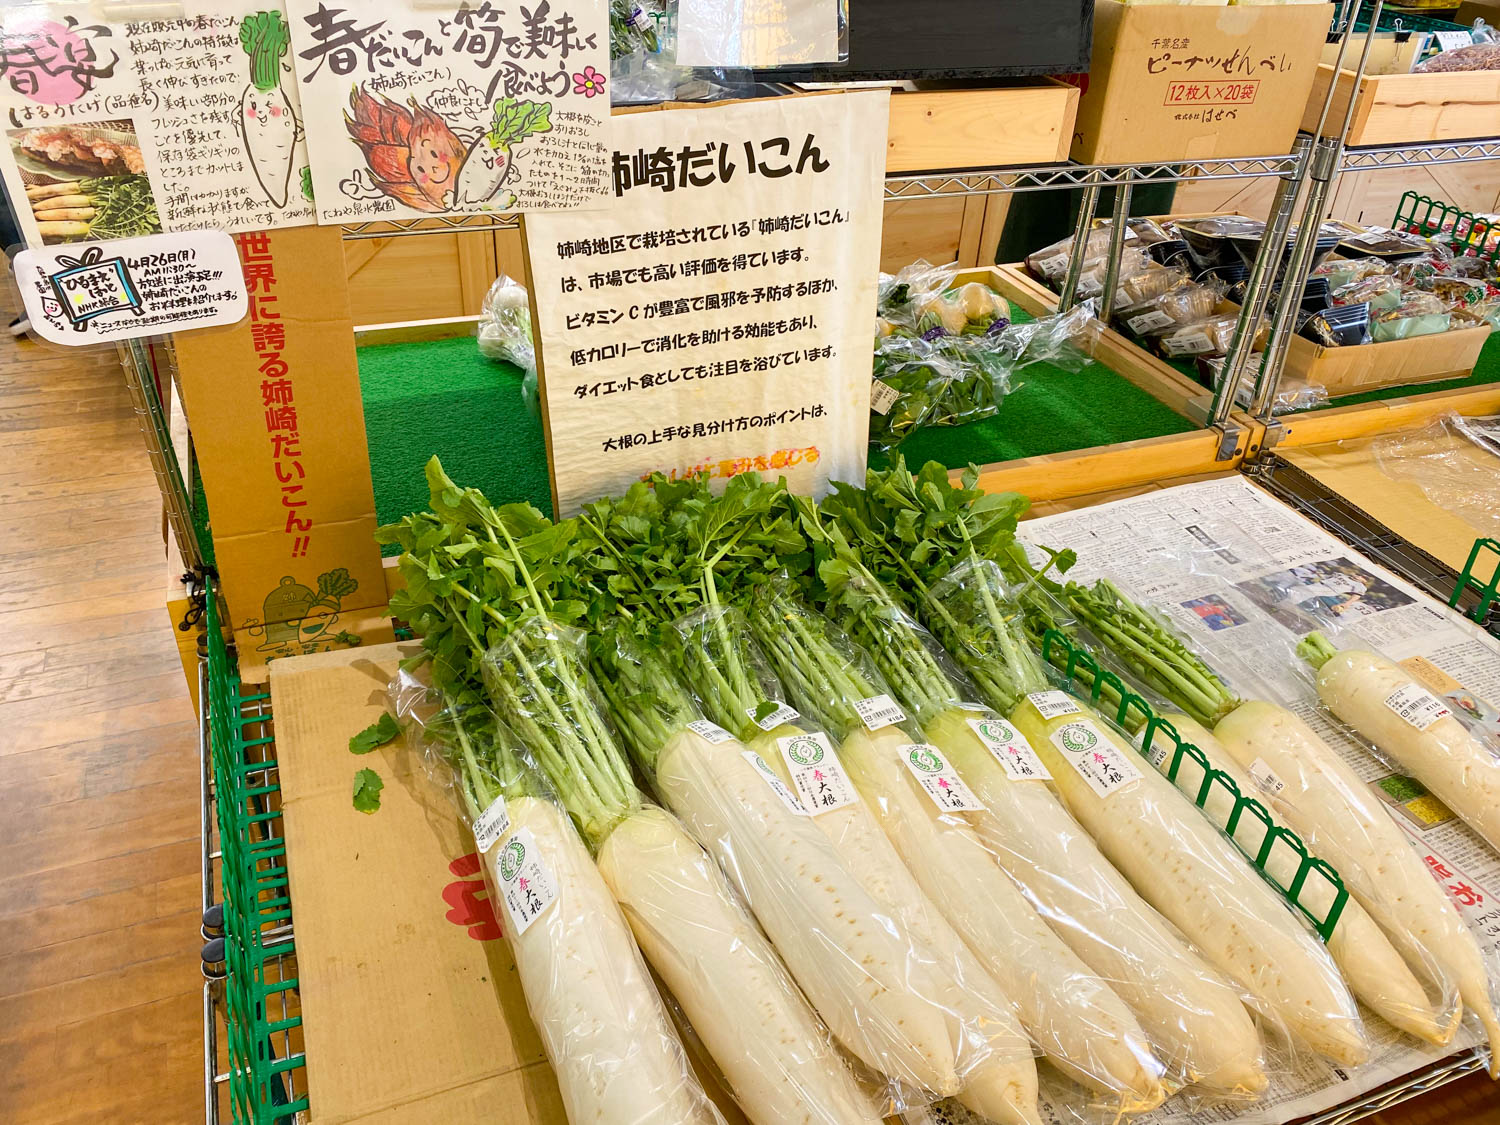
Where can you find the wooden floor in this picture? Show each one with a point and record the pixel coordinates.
(100, 993)
(100, 988)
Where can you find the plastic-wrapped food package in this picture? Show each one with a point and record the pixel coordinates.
(1149, 285)
(1342, 326)
(943, 381)
(1456, 292)
(1384, 243)
(1210, 336)
(1050, 263)
(1184, 868)
(505, 334)
(899, 294)
(1379, 291)
(1418, 314)
(1476, 56)
(1346, 271)
(1182, 305)
(1310, 788)
(1133, 260)
(1064, 340)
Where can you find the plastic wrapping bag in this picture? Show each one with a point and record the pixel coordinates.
(944, 381)
(505, 334)
(1210, 336)
(761, 35)
(1418, 314)
(1476, 56)
(1183, 304)
(1455, 461)
(1063, 340)
(1346, 271)
(1379, 291)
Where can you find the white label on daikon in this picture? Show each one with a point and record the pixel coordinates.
(493, 823)
(1265, 778)
(883, 396)
(1417, 706)
(1010, 748)
(1053, 704)
(816, 772)
(779, 717)
(526, 886)
(942, 783)
(712, 733)
(879, 712)
(1094, 757)
(1187, 343)
(1149, 322)
(768, 775)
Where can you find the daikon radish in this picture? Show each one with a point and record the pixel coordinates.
(1381, 700)
(67, 215)
(1322, 799)
(1002, 1085)
(1196, 1022)
(1375, 971)
(1084, 1029)
(1184, 867)
(727, 978)
(41, 207)
(47, 191)
(851, 960)
(605, 1031)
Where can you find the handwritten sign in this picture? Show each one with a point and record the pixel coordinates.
(716, 317)
(479, 106)
(131, 288)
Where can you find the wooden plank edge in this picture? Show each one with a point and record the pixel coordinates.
(1386, 416)
(1057, 476)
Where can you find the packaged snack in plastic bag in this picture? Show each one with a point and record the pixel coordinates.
(1379, 291)
(1184, 304)
(1456, 292)
(1476, 56)
(1345, 271)
(1210, 336)
(1418, 314)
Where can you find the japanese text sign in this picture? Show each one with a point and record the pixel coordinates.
(716, 317)
(132, 288)
(483, 105)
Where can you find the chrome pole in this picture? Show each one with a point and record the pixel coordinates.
(1117, 227)
(1087, 206)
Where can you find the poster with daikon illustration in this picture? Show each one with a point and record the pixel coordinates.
(122, 130)
(479, 105)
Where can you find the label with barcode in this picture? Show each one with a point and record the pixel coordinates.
(883, 396)
(493, 823)
(1053, 704)
(1187, 343)
(941, 781)
(779, 717)
(710, 732)
(1050, 267)
(526, 886)
(1265, 778)
(1094, 757)
(779, 787)
(1417, 706)
(1149, 322)
(817, 774)
(879, 712)
(1010, 749)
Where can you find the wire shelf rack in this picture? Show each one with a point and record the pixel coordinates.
(1420, 156)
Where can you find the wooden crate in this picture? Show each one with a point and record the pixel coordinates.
(936, 130)
(1410, 108)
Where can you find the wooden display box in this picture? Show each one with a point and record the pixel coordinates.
(1172, 82)
(937, 130)
(1410, 108)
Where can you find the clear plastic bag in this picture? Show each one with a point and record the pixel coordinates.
(1181, 305)
(761, 35)
(1341, 272)
(944, 381)
(1454, 461)
(1379, 291)
(1476, 56)
(1064, 340)
(1418, 314)
(505, 334)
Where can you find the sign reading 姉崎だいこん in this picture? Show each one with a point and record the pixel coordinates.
(133, 287)
(716, 316)
(125, 129)
(459, 107)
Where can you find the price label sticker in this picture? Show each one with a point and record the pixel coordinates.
(1010, 749)
(1051, 267)
(817, 774)
(768, 775)
(879, 712)
(1265, 778)
(526, 886)
(712, 733)
(1094, 757)
(492, 824)
(1149, 322)
(1187, 343)
(938, 779)
(782, 715)
(1454, 40)
(883, 396)
(1417, 706)
(1053, 704)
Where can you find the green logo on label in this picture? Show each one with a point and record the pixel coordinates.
(805, 751)
(511, 859)
(1078, 738)
(925, 760)
(996, 730)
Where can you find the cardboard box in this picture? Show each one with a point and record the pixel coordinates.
(1171, 82)
(1410, 108)
(1395, 363)
(278, 426)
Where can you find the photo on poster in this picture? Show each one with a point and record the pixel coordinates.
(471, 108)
(85, 182)
(1214, 612)
(1303, 595)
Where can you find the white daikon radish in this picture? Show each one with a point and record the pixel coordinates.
(777, 1058)
(1381, 700)
(1001, 1085)
(1084, 1029)
(854, 963)
(1323, 801)
(1375, 971)
(604, 1028)
(1184, 867)
(1195, 1019)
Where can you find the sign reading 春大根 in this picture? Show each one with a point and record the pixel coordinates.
(716, 317)
(476, 105)
(79, 295)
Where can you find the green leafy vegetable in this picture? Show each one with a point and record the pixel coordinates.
(307, 187)
(378, 733)
(337, 583)
(265, 38)
(367, 787)
(516, 120)
(124, 207)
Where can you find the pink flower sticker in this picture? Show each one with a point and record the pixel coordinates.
(588, 83)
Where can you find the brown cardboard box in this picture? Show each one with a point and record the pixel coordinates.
(1471, 10)
(278, 425)
(1169, 82)
(1395, 363)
